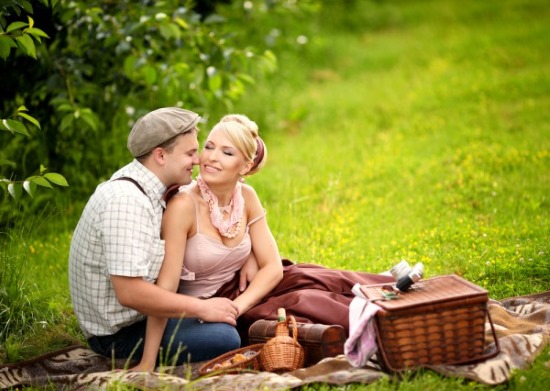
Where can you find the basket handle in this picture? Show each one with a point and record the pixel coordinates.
(294, 328)
(495, 338)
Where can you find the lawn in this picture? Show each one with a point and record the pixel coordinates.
(400, 130)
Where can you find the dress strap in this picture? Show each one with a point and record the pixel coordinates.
(196, 211)
(256, 219)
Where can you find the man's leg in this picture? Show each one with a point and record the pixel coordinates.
(125, 343)
(188, 340)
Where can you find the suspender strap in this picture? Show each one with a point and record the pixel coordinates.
(125, 178)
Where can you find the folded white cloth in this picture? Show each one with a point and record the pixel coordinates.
(361, 344)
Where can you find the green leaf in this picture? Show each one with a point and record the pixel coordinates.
(6, 162)
(67, 121)
(57, 179)
(169, 30)
(27, 187)
(182, 23)
(87, 116)
(26, 44)
(246, 78)
(130, 66)
(16, 26)
(26, 6)
(30, 119)
(165, 31)
(15, 190)
(65, 107)
(37, 33)
(150, 74)
(15, 126)
(41, 181)
(269, 61)
(215, 82)
(6, 43)
(11, 190)
(198, 74)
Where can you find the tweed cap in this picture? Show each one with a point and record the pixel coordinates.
(159, 126)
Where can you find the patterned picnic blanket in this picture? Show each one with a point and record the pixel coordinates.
(522, 326)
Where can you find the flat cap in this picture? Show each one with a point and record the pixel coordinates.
(158, 126)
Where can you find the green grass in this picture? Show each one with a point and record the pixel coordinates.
(426, 140)
(416, 130)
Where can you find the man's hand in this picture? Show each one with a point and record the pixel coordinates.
(248, 271)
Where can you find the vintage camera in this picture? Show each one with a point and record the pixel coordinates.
(405, 275)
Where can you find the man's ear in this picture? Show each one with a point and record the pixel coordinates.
(158, 155)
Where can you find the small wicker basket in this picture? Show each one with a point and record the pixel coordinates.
(283, 353)
(235, 361)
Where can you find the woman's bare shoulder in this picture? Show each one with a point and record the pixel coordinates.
(249, 191)
(181, 201)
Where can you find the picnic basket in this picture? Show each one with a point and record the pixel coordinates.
(283, 353)
(439, 321)
(235, 361)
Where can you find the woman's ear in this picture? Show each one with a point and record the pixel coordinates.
(247, 167)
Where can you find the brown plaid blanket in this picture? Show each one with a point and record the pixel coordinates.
(522, 326)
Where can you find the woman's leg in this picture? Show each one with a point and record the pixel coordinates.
(188, 340)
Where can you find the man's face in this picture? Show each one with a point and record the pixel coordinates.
(179, 162)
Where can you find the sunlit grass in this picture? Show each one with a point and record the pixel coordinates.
(406, 146)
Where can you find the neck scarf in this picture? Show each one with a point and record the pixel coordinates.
(235, 209)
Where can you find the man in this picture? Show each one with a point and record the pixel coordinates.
(116, 253)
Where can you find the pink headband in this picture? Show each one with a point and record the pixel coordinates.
(260, 150)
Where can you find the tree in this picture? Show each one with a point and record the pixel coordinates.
(20, 38)
(93, 68)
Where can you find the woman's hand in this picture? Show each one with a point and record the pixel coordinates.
(248, 272)
(219, 309)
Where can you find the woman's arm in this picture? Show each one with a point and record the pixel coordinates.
(265, 250)
(176, 224)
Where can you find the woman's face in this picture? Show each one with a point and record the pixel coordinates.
(220, 160)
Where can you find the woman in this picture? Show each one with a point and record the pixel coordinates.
(212, 226)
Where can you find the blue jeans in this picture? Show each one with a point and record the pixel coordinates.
(184, 340)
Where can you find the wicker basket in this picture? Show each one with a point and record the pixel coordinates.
(235, 361)
(282, 353)
(440, 321)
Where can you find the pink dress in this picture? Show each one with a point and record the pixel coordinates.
(209, 264)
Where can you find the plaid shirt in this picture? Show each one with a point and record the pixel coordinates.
(118, 234)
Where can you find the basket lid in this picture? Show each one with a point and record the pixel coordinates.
(428, 291)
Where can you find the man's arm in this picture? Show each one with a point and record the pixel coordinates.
(150, 299)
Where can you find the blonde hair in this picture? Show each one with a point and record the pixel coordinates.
(244, 134)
